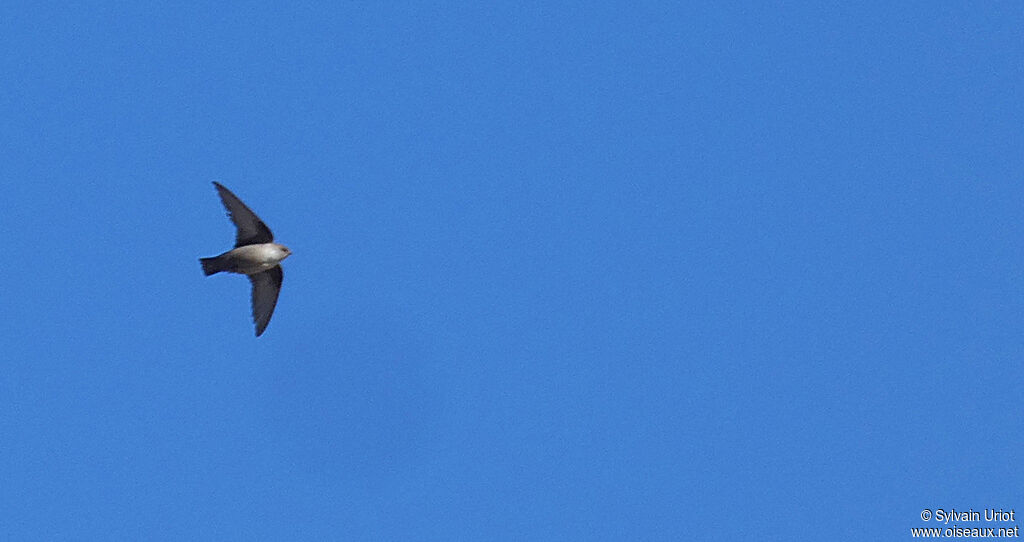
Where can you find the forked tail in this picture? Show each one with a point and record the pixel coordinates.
(210, 265)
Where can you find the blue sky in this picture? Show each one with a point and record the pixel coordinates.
(561, 271)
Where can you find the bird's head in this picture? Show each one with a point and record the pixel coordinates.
(285, 251)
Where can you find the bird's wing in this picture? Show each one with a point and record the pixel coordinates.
(265, 288)
(251, 230)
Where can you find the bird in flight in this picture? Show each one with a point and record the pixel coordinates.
(255, 255)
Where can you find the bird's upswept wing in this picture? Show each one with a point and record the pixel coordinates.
(265, 288)
(251, 230)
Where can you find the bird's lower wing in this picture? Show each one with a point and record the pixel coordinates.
(265, 288)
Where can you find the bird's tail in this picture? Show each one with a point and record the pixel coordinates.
(211, 265)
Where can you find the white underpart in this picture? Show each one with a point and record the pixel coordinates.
(251, 259)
